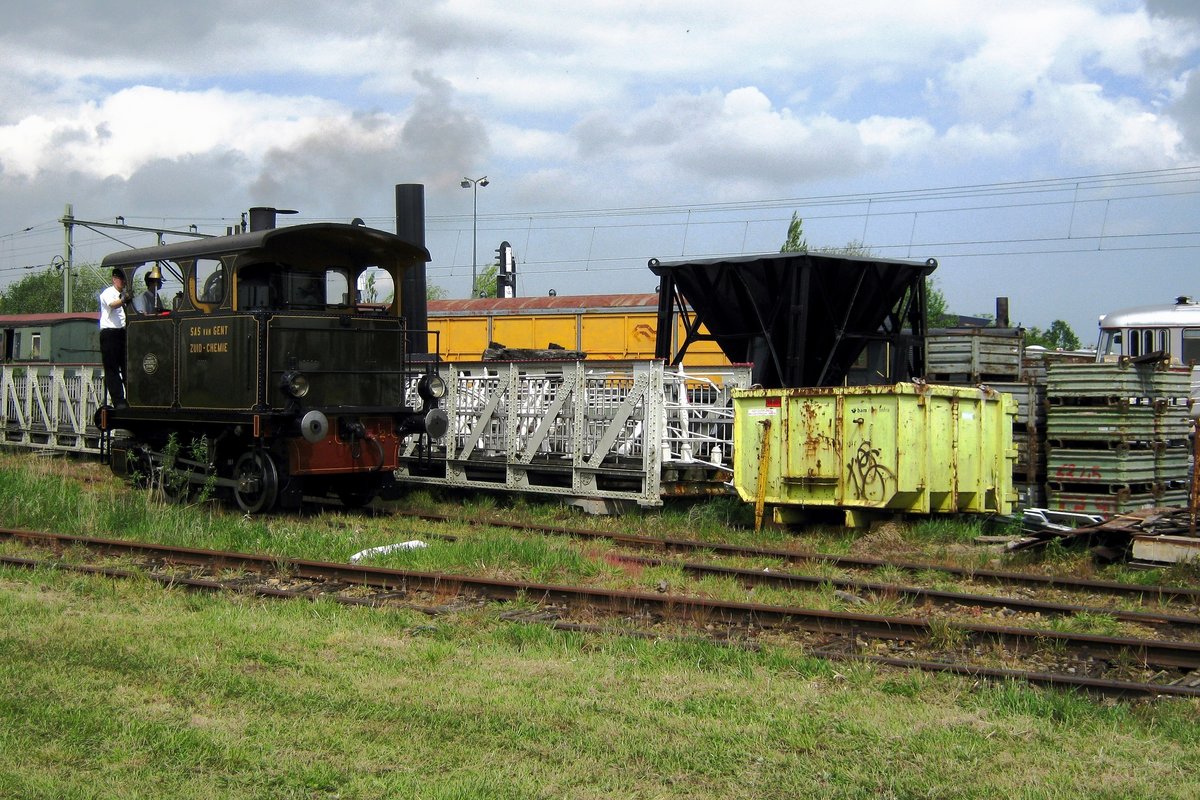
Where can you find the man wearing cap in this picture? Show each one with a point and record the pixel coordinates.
(113, 301)
(148, 302)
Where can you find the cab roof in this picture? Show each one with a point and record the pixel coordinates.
(1162, 315)
(322, 240)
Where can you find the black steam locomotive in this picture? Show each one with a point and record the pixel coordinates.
(270, 376)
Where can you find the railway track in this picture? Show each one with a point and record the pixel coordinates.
(1133, 592)
(935, 597)
(894, 640)
(1158, 617)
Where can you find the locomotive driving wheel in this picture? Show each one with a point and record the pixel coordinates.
(137, 465)
(256, 482)
(174, 485)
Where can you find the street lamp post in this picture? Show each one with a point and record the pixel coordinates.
(474, 184)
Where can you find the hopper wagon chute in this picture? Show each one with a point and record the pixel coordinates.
(802, 319)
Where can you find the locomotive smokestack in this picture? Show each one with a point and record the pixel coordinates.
(261, 218)
(410, 226)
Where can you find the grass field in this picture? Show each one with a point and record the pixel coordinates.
(129, 690)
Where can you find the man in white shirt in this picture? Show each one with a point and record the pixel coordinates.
(112, 337)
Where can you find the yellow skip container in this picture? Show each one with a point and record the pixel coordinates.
(914, 448)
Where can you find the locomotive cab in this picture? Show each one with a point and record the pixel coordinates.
(276, 373)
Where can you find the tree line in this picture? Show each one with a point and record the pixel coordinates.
(42, 292)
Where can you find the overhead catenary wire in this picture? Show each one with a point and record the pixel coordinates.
(31, 245)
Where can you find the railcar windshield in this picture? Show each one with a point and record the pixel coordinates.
(1109, 345)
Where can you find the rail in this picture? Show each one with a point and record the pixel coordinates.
(51, 407)
(1169, 665)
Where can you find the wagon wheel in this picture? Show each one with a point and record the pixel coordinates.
(256, 482)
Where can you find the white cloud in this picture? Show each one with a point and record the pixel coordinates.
(971, 142)
(135, 126)
(741, 140)
(534, 145)
(896, 135)
(1103, 133)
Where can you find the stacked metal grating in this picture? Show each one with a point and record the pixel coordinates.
(1028, 435)
(993, 356)
(973, 355)
(1116, 437)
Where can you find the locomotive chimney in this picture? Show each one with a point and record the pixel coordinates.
(410, 226)
(261, 218)
(1001, 312)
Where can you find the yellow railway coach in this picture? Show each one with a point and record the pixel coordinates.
(605, 326)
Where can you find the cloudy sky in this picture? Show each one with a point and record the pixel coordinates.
(1047, 151)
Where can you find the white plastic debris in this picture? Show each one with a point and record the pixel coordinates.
(415, 544)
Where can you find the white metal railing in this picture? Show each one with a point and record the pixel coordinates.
(51, 407)
(601, 430)
(698, 416)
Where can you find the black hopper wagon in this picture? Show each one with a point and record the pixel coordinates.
(270, 378)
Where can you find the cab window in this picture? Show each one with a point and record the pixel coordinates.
(375, 287)
(305, 290)
(211, 283)
(1191, 346)
(282, 286)
(257, 287)
(337, 288)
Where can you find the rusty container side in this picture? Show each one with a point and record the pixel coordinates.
(903, 448)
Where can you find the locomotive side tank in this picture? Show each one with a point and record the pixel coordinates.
(269, 377)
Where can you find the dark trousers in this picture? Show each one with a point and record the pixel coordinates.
(112, 354)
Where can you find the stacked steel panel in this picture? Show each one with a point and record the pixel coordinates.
(973, 355)
(1030, 472)
(1029, 437)
(993, 356)
(1117, 437)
